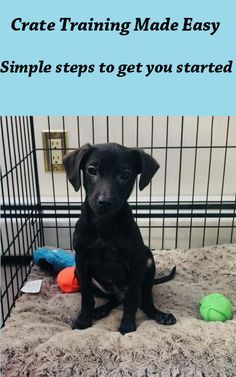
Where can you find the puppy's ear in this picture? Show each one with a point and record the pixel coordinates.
(72, 164)
(147, 166)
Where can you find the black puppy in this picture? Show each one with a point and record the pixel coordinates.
(111, 258)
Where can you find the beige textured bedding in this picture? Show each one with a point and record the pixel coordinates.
(38, 340)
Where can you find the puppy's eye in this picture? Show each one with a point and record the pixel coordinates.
(125, 174)
(92, 170)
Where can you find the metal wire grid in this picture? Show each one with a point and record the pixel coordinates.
(25, 215)
(21, 229)
(183, 213)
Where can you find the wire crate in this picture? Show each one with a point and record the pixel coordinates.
(189, 203)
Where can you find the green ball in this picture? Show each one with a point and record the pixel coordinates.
(215, 307)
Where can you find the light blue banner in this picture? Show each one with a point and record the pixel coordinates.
(146, 35)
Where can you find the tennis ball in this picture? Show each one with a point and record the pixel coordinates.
(215, 307)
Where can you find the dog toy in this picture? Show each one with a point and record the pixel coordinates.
(53, 260)
(215, 307)
(67, 281)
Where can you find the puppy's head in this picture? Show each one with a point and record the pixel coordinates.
(109, 172)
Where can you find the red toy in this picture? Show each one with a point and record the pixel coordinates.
(67, 281)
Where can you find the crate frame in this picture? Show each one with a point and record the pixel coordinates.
(24, 213)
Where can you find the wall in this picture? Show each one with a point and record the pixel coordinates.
(211, 165)
(137, 132)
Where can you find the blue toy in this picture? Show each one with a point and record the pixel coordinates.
(53, 260)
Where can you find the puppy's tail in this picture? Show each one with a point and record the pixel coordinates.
(166, 278)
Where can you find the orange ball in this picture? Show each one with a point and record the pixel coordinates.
(67, 281)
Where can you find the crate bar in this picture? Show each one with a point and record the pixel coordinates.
(194, 181)
(5, 220)
(223, 178)
(233, 221)
(229, 205)
(17, 164)
(16, 275)
(165, 180)
(67, 190)
(24, 228)
(79, 145)
(150, 188)
(53, 186)
(136, 183)
(170, 147)
(153, 226)
(8, 187)
(36, 177)
(93, 130)
(108, 135)
(24, 175)
(32, 164)
(145, 214)
(29, 198)
(17, 188)
(6, 291)
(14, 187)
(21, 230)
(122, 130)
(208, 180)
(179, 183)
(17, 180)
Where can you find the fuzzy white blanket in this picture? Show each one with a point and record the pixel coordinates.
(38, 340)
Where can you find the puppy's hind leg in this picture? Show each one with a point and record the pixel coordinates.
(103, 310)
(147, 304)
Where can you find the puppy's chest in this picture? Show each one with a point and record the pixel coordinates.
(109, 262)
(106, 252)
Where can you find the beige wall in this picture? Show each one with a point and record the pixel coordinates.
(159, 140)
(173, 165)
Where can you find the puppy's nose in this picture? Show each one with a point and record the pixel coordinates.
(104, 202)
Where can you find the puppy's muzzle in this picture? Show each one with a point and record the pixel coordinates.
(104, 203)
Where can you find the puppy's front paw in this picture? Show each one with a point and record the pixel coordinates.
(82, 322)
(165, 319)
(126, 327)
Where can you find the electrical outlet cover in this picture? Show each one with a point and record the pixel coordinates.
(54, 143)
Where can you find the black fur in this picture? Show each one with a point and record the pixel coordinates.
(111, 258)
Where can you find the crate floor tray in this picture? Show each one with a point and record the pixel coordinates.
(38, 340)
